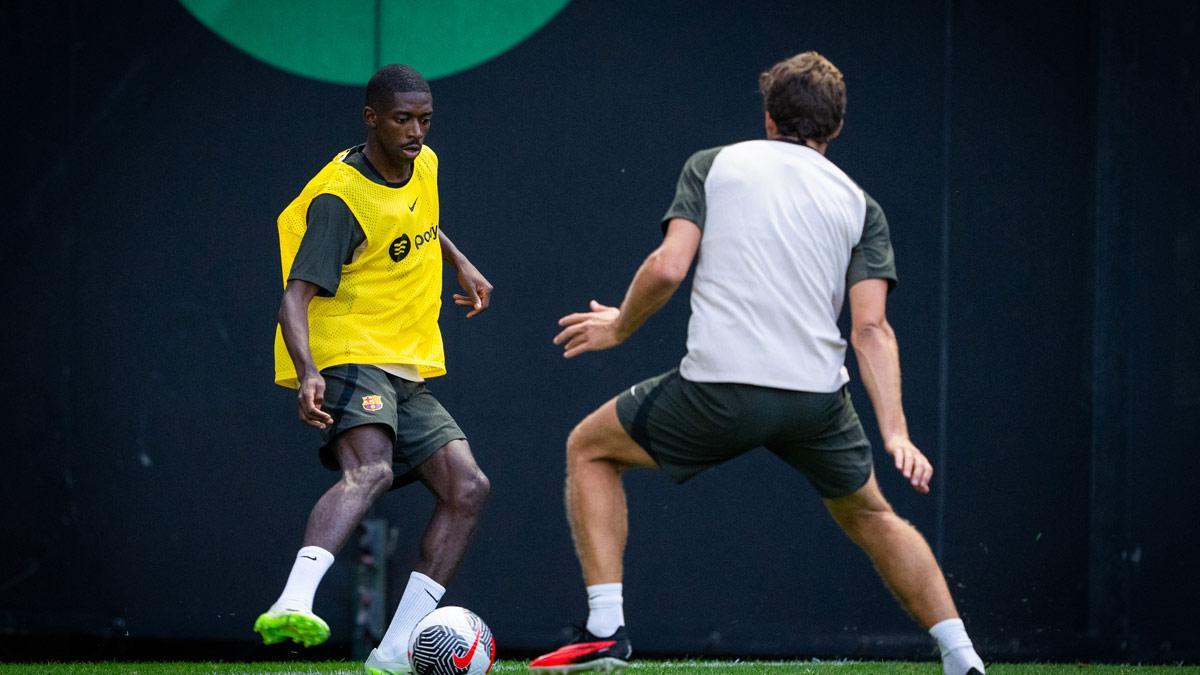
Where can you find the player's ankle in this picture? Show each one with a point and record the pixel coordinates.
(958, 654)
(605, 609)
(290, 605)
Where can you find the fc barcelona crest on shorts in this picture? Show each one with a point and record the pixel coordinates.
(372, 403)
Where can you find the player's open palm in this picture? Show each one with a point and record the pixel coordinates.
(910, 462)
(309, 401)
(591, 331)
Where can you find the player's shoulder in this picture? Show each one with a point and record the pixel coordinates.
(871, 209)
(700, 161)
(350, 158)
(874, 212)
(330, 173)
(428, 156)
(706, 154)
(871, 203)
(426, 165)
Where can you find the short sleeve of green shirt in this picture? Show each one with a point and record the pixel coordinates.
(872, 258)
(689, 192)
(332, 235)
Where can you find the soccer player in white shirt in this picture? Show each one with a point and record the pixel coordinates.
(786, 238)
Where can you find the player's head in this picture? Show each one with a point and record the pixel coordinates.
(805, 97)
(398, 112)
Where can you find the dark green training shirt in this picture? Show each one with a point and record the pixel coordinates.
(333, 234)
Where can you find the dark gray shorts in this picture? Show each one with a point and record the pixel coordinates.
(359, 394)
(688, 427)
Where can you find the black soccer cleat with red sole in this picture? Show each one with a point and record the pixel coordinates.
(587, 653)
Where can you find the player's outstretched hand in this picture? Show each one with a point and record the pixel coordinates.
(477, 288)
(309, 402)
(910, 462)
(591, 331)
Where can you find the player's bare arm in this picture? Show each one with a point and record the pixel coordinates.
(879, 365)
(477, 288)
(656, 281)
(293, 321)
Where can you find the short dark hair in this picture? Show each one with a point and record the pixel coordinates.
(805, 95)
(390, 80)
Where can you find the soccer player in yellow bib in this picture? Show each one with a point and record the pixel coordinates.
(362, 251)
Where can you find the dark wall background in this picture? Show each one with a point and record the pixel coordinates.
(1038, 167)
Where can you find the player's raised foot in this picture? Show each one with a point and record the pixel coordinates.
(377, 665)
(277, 625)
(587, 653)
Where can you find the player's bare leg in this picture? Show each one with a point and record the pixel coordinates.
(598, 452)
(899, 552)
(365, 456)
(904, 561)
(461, 490)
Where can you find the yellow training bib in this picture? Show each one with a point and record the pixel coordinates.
(386, 307)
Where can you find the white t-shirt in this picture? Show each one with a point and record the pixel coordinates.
(404, 371)
(783, 237)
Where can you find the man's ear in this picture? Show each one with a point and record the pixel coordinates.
(369, 117)
(836, 131)
(769, 123)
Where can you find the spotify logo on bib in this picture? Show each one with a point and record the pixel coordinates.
(399, 248)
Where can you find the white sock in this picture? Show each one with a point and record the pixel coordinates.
(605, 611)
(421, 596)
(958, 654)
(311, 564)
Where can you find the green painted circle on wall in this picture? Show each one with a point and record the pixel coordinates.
(345, 41)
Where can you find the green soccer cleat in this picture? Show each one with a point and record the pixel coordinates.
(277, 625)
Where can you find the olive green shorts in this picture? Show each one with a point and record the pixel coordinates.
(687, 427)
(356, 395)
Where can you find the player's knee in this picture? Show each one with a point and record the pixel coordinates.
(580, 446)
(471, 492)
(375, 476)
(480, 488)
(866, 520)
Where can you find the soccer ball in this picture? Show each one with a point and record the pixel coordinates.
(451, 641)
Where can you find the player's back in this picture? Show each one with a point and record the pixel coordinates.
(780, 225)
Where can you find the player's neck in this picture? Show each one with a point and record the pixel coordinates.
(808, 142)
(390, 171)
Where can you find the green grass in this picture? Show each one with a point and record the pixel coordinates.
(638, 668)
